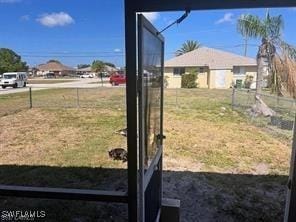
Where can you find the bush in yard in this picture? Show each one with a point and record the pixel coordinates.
(189, 80)
(165, 82)
(248, 81)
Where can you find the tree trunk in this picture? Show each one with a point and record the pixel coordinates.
(261, 71)
(260, 108)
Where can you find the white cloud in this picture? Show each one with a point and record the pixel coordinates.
(117, 50)
(25, 18)
(228, 17)
(9, 1)
(55, 19)
(151, 16)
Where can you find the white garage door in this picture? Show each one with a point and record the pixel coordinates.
(220, 77)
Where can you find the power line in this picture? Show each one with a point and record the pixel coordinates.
(104, 54)
(68, 52)
(71, 56)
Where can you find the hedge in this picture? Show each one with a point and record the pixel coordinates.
(189, 80)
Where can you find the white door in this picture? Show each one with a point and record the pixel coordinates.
(220, 78)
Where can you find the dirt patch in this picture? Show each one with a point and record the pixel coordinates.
(261, 169)
(226, 197)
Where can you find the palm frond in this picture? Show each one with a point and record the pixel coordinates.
(284, 73)
(274, 26)
(288, 50)
(188, 46)
(250, 26)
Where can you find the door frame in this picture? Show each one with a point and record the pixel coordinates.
(131, 9)
(145, 175)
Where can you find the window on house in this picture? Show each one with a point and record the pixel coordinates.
(239, 70)
(201, 70)
(179, 71)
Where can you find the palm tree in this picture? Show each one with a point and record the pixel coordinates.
(273, 53)
(97, 67)
(188, 46)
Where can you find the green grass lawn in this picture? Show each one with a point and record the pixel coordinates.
(203, 128)
(215, 160)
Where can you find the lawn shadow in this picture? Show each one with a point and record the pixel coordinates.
(205, 196)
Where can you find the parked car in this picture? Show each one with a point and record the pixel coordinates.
(104, 74)
(86, 76)
(49, 75)
(117, 79)
(14, 79)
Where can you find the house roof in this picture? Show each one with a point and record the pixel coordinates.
(107, 69)
(212, 58)
(110, 69)
(54, 66)
(86, 69)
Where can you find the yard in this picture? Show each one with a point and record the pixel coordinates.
(216, 162)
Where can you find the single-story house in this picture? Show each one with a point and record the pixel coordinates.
(215, 68)
(54, 67)
(110, 69)
(88, 70)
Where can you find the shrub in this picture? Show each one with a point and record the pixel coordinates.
(165, 82)
(248, 81)
(189, 80)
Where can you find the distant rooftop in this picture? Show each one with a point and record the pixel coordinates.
(54, 66)
(107, 69)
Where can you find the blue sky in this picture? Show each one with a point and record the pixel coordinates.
(80, 31)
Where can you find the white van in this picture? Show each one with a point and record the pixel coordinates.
(14, 79)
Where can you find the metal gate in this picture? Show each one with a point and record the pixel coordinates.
(150, 73)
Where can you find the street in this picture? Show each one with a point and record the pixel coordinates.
(77, 83)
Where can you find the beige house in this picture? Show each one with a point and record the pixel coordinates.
(55, 67)
(107, 68)
(215, 68)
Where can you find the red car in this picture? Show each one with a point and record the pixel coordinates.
(117, 79)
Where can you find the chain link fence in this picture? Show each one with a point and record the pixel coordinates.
(99, 97)
(281, 123)
(13, 103)
(196, 99)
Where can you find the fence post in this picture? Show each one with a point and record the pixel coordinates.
(233, 98)
(30, 96)
(77, 97)
(177, 97)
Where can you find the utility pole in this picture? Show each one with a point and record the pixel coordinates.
(246, 46)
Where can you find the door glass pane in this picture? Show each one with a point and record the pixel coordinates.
(152, 80)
